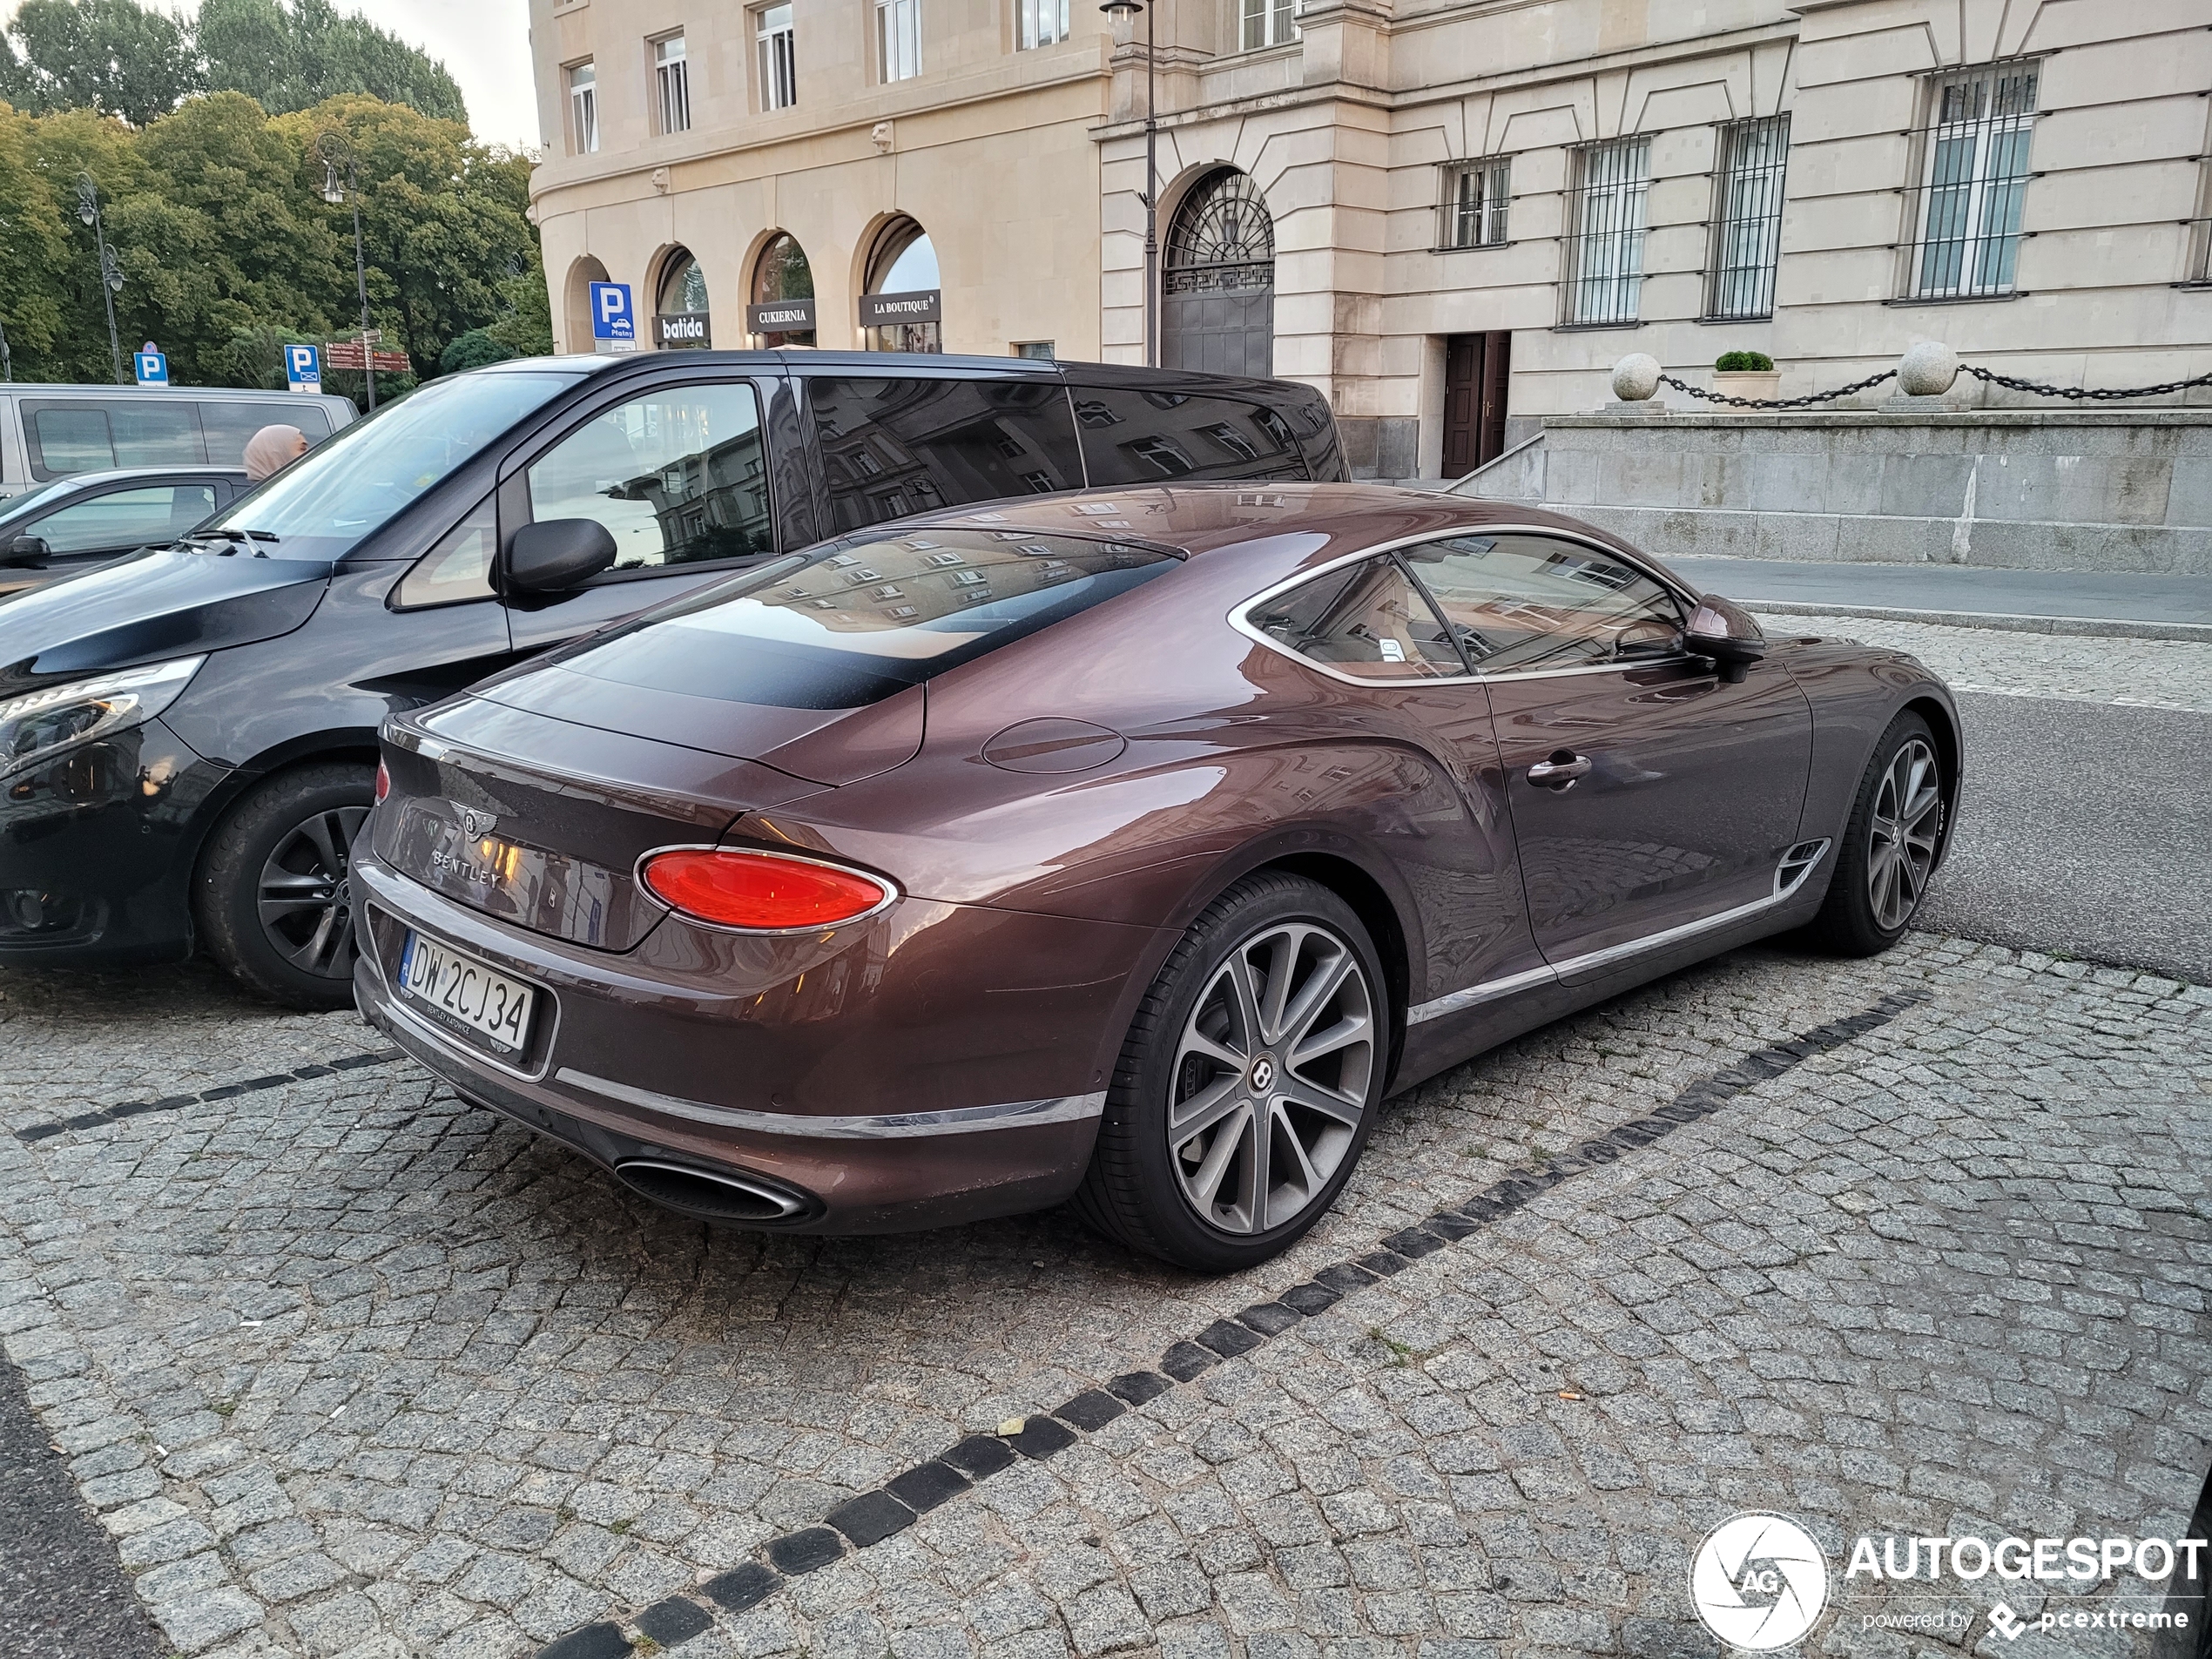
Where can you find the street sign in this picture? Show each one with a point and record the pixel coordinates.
(153, 367)
(303, 368)
(614, 321)
(346, 354)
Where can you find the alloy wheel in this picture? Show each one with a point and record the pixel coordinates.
(1906, 831)
(1271, 1077)
(305, 897)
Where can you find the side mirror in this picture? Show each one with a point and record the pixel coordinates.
(1726, 633)
(25, 550)
(556, 555)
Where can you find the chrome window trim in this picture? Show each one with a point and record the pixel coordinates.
(1787, 883)
(958, 1120)
(646, 890)
(1240, 614)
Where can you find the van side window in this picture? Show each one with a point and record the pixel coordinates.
(227, 425)
(892, 446)
(1136, 437)
(85, 434)
(679, 477)
(458, 568)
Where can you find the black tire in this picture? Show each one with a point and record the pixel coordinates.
(1859, 916)
(289, 841)
(1135, 1190)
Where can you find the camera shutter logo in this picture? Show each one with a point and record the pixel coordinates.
(1759, 1581)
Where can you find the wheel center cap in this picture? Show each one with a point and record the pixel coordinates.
(1262, 1075)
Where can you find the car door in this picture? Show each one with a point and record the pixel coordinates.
(103, 523)
(1647, 791)
(692, 477)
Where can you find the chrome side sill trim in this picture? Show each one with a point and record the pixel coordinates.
(959, 1120)
(1797, 864)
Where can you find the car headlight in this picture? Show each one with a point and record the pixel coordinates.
(37, 724)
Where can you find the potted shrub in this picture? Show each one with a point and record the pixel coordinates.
(1746, 374)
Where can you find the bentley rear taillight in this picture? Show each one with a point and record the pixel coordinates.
(383, 784)
(761, 892)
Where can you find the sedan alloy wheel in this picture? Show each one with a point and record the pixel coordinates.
(304, 901)
(1905, 832)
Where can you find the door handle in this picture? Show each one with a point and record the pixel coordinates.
(1561, 770)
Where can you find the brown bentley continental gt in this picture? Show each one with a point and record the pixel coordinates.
(1128, 848)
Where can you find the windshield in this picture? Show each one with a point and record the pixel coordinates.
(349, 486)
(866, 617)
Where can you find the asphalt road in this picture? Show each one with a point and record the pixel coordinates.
(2085, 829)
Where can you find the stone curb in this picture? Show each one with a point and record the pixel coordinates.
(868, 1519)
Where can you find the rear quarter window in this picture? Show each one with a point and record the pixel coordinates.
(1152, 436)
(90, 435)
(892, 447)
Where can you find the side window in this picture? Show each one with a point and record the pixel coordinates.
(227, 425)
(125, 518)
(893, 446)
(1368, 621)
(1517, 601)
(458, 568)
(677, 476)
(1136, 437)
(85, 434)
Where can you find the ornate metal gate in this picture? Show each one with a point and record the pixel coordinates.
(1217, 292)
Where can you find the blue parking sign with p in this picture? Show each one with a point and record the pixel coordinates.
(153, 369)
(303, 368)
(614, 323)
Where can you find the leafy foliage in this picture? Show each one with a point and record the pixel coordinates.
(1738, 362)
(124, 59)
(227, 249)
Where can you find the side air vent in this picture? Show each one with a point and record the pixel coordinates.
(1798, 863)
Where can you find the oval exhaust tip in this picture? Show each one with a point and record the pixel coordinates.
(714, 1195)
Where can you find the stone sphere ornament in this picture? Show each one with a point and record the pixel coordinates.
(1635, 377)
(1926, 369)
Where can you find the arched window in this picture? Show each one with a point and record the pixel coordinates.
(781, 277)
(1217, 292)
(577, 307)
(903, 306)
(680, 320)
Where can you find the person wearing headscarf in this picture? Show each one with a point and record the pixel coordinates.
(272, 449)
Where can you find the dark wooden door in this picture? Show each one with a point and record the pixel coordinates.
(1476, 367)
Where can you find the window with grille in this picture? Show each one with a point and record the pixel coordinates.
(672, 83)
(583, 109)
(1747, 217)
(1042, 22)
(898, 39)
(1269, 23)
(1476, 195)
(771, 30)
(1972, 178)
(1605, 219)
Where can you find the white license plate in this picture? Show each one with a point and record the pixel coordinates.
(463, 988)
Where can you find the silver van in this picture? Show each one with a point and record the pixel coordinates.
(49, 432)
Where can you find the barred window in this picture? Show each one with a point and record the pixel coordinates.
(772, 31)
(1269, 23)
(1476, 197)
(1605, 221)
(1747, 217)
(1043, 23)
(1972, 178)
(672, 83)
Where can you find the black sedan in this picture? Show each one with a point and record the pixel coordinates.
(74, 523)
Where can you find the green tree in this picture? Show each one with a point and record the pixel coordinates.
(473, 350)
(106, 55)
(34, 250)
(291, 58)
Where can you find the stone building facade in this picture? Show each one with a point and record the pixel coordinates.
(1451, 216)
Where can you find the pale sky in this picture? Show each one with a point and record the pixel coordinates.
(484, 45)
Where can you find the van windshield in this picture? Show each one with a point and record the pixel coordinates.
(865, 616)
(350, 485)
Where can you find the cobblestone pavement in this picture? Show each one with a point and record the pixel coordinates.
(2139, 673)
(348, 1367)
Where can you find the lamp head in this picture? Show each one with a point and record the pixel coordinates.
(1122, 11)
(333, 191)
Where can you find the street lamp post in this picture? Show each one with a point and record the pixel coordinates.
(1119, 10)
(333, 150)
(88, 209)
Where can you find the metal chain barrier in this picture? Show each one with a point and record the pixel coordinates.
(1777, 402)
(2077, 392)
